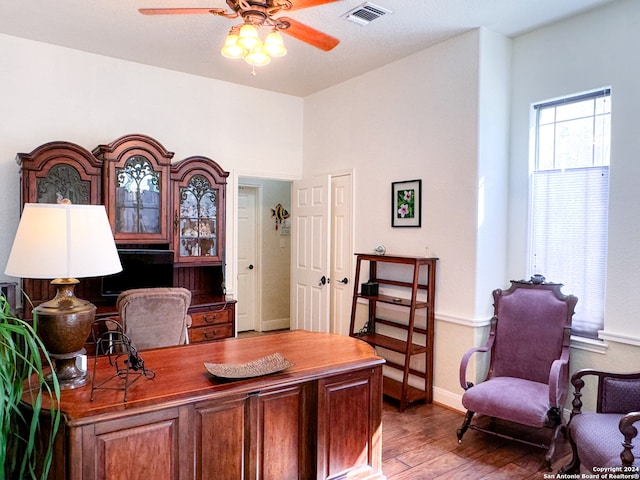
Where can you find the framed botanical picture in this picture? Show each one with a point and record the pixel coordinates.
(406, 206)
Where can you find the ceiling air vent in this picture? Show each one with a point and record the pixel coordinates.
(365, 13)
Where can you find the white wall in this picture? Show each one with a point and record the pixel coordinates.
(593, 50)
(51, 93)
(493, 169)
(440, 115)
(414, 118)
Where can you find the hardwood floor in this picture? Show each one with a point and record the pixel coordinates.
(421, 443)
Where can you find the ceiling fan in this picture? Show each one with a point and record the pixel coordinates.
(263, 13)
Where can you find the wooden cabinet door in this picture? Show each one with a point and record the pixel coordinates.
(268, 435)
(136, 189)
(284, 444)
(222, 439)
(143, 447)
(350, 425)
(199, 204)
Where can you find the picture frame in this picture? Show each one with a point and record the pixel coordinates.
(406, 203)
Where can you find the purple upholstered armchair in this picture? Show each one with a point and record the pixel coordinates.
(528, 375)
(604, 438)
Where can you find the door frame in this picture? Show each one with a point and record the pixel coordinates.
(231, 268)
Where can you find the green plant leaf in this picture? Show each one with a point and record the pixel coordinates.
(26, 443)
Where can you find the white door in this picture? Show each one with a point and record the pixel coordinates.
(341, 252)
(310, 254)
(247, 259)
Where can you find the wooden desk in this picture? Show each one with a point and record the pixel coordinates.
(319, 419)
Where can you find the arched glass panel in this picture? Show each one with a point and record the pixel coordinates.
(63, 181)
(137, 197)
(198, 214)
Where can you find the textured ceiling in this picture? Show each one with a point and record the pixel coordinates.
(191, 43)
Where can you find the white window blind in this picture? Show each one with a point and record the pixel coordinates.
(570, 202)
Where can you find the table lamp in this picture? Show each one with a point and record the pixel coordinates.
(64, 242)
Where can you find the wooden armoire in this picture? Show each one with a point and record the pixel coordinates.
(167, 218)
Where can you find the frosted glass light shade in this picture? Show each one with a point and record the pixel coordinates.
(257, 57)
(274, 45)
(248, 36)
(231, 47)
(63, 241)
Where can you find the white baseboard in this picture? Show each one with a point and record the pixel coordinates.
(440, 395)
(448, 399)
(275, 324)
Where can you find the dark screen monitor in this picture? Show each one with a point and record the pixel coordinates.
(141, 268)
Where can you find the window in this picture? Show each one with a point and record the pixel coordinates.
(570, 201)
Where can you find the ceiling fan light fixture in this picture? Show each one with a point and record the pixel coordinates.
(248, 36)
(257, 57)
(231, 48)
(243, 40)
(274, 45)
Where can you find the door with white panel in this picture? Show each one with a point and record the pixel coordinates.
(247, 307)
(341, 252)
(310, 254)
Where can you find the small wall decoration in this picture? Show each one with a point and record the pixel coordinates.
(280, 214)
(406, 207)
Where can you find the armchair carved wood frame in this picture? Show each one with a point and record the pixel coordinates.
(528, 378)
(604, 438)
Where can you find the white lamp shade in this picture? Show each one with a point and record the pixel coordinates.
(63, 241)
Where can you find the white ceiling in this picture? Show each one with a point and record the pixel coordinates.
(191, 43)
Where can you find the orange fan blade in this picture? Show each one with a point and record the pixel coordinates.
(309, 35)
(179, 11)
(298, 4)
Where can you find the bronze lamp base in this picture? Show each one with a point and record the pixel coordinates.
(64, 324)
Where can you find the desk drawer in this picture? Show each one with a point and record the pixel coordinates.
(210, 317)
(204, 334)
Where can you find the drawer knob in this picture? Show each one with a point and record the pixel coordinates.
(210, 318)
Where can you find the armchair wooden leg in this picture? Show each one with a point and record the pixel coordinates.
(574, 465)
(557, 431)
(465, 425)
